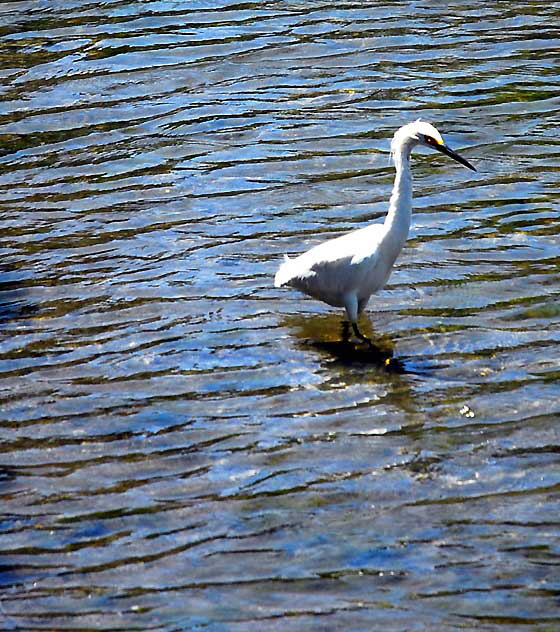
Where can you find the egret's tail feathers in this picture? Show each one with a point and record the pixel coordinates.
(284, 273)
(291, 269)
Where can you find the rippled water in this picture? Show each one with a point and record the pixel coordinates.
(186, 447)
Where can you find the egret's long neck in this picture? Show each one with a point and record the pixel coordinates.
(400, 204)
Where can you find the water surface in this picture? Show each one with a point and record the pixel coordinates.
(185, 447)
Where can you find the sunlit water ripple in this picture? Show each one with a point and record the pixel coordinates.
(186, 447)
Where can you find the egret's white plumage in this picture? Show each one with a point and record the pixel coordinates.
(346, 271)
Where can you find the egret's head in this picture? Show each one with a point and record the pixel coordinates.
(424, 133)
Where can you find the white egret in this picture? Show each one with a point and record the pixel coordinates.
(347, 270)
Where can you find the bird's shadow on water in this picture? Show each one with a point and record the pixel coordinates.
(331, 335)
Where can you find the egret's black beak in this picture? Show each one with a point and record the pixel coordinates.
(444, 149)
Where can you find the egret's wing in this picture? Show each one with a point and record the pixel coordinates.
(347, 250)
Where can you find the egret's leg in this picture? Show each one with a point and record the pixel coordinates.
(362, 304)
(346, 331)
(351, 305)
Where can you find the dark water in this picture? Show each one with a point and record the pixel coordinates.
(185, 447)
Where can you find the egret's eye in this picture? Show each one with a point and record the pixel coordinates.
(429, 140)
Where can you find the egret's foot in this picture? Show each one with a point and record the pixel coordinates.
(360, 335)
(348, 338)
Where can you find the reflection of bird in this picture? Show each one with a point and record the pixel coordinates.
(346, 271)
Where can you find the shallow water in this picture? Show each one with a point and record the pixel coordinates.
(186, 447)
